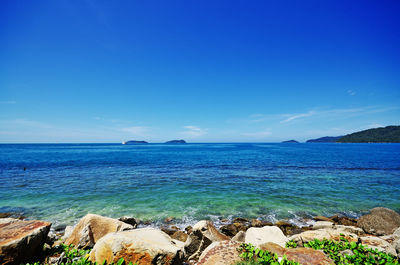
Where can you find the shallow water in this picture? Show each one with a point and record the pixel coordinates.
(63, 182)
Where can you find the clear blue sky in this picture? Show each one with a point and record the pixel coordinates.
(204, 71)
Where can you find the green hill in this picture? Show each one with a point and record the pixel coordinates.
(389, 134)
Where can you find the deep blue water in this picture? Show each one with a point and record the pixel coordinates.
(63, 182)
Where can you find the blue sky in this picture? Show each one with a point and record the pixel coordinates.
(204, 71)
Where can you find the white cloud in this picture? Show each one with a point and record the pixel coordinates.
(351, 92)
(193, 131)
(292, 117)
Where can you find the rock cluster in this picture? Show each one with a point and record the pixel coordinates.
(202, 244)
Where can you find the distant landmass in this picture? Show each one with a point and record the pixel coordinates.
(388, 134)
(176, 142)
(326, 139)
(135, 142)
(291, 142)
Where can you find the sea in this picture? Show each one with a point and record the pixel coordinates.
(191, 182)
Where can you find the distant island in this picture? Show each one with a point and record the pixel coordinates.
(176, 142)
(326, 139)
(135, 142)
(388, 134)
(290, 142)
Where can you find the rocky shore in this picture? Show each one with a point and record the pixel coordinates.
(108, 239)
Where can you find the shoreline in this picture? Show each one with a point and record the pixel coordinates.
(379, 229)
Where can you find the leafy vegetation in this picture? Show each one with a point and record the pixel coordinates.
(255, 256)
(341, 252)
(73, 256)
(389, 134)
(360, 254)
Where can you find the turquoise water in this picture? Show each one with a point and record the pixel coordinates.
(63, 182)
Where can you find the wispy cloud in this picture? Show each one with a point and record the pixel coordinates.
(292, 117)
(351, 92)
(193, 131)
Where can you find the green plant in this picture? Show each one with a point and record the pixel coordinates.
(74, 256)
(361, 254)
(252, 255)
(358, 254)
(291, 244)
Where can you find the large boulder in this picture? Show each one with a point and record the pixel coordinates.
(340, 228)
(220, 253)
(144, 246)
(91, 228)
(378, 243)
(320, 234)
(381, 221)
(203, 234)
(21, 241)
(258, 236)
(301, 255)
(232, 229)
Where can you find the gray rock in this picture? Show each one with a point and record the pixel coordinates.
(379, 244)
(129, 220)
(203, 234)
(239, 237)
(381, 221)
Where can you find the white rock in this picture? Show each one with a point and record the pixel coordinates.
(145, 246)
(258, 236)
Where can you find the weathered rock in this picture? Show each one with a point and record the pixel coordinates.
(20, 241)
(145, 246)
(347, 221)
(289, 229)
(396, 245)
(343, 228)
(259, 223)
(180, 235)
(203, 234)
(129, 220)
(239, 237)
(381, 221)
(378, 243)
(320, 234)
(240, 220)
(232, 229)
(189, 229)
(302, 255)
(396, 233)
(322, 225)
(169, 219)
(169, 231)
(323, 218)
(8, 220)
(220, 253)
(347, 252)
(91, 228)
(308, 256)
(258, 236)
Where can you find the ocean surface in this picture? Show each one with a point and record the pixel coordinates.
(63, 182)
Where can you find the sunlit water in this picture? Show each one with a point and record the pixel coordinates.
(63, 182)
